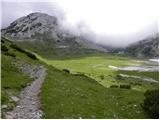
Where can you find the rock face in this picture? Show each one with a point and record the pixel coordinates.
(43, 27)
(31, 25)
(146, 48)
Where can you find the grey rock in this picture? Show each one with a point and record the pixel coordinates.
(4, 106)
(14, 98)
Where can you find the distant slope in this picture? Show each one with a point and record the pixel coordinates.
(148, 48)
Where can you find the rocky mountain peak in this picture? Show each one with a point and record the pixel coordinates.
(30, 25)
(40, 26)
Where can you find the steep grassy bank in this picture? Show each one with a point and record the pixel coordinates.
(13, 80)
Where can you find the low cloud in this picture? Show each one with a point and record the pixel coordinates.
(105, 22)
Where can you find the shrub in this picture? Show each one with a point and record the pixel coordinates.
(10, 54)
(119, 77)
(114, 86)
(125, 86)
(17, 48)
(102, 77)
(2, 41)
(136, 83)
(4, 48)
(31, 55)
(151, 103)
(66, 70)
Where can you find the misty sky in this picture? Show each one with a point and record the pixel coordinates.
(112, 22)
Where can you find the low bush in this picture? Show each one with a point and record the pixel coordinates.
(4, 48)
(66, 70)
(119, 77)
(10, 54)
(2, 41)
(114, 86)
(136, 83)
(31, 55)
(125, 86)
(102, 77)
(14, 46)
(151, 103)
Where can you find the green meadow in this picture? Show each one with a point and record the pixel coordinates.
(97, 67)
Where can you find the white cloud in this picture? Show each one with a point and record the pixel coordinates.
(120, 22)
(112, 16)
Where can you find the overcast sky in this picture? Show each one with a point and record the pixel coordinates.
(116, 22)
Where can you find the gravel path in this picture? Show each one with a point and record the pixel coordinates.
(29, 106)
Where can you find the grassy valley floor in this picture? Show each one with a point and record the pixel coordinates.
(80, 98)
(97, 67)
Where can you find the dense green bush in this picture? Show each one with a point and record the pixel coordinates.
(125, 86)
(114, 86)
(29, 54)
(136, 83)
(2, 41)
(102, 77)
(151, 103)
(66, 70)
(17, 48)
(4, 48)
(119, 77)
(10, 54)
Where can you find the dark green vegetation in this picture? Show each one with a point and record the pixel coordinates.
(151, 103)
(49, 50)
(81, 88)
(29, 54)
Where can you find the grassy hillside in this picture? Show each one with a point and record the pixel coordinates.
(12, 79)
(49, 50)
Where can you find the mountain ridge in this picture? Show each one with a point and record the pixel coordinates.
(40, 26)
(148, 48)
(45, 30)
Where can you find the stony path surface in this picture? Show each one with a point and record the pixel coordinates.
(29, 106)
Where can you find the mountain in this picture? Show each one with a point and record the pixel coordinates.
(45, 31)
(148, 48)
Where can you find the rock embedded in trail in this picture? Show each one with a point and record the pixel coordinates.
(14, 98)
